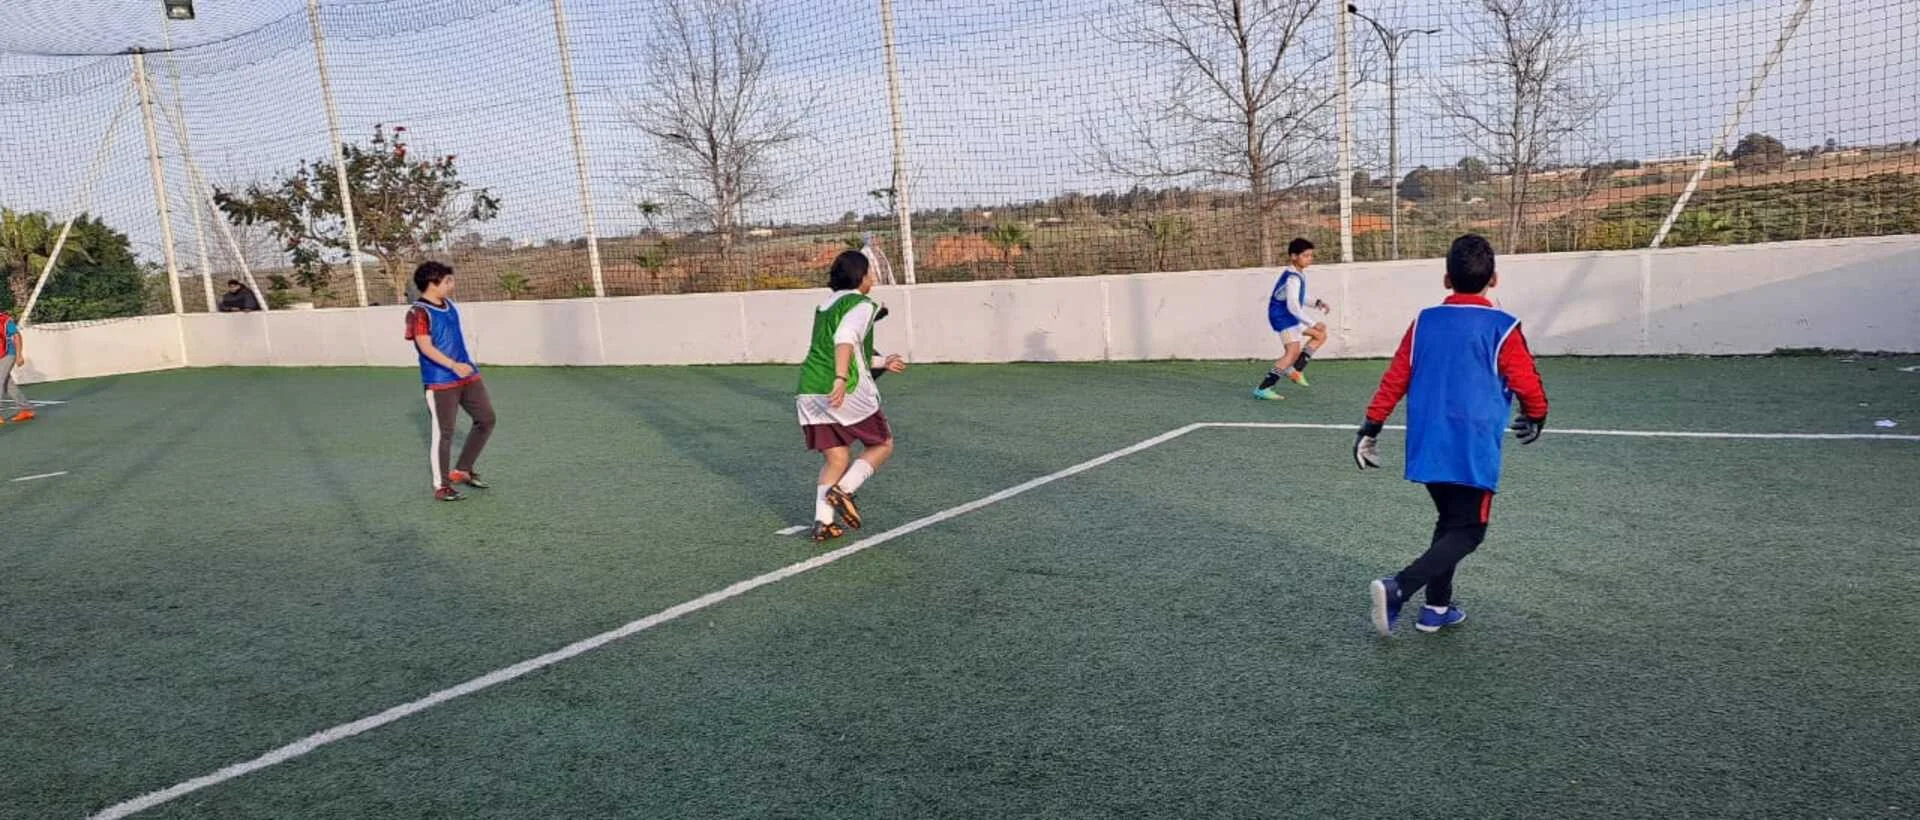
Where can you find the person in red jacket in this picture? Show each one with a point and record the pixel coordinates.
(1459, 367)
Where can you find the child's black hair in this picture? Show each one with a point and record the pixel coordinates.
(1470, 264)
(233, 283)
(430, 273)
(849, 269)
(1299, 246)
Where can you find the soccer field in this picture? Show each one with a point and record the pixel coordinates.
(220, 563)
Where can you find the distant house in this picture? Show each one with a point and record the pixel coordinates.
(760, 233)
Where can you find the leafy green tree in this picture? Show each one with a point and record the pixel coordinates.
(1759, 152)
(1473, 171)
(26, 240)
(402, 206)
(1414, 188)
(97, 278)
(514, 284)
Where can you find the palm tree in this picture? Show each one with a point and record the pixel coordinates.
(1011, 239)
(26, 242)
(650, 211)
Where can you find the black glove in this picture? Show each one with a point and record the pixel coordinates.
(1366, 445)
(1526, 430)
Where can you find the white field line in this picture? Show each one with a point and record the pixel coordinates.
(499, 676)
(793, 530)
(40, 476)
(1575, 431)
(346, 730)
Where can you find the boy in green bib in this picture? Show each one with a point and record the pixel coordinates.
(838, 401)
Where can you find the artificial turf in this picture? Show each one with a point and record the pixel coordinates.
(238, 558)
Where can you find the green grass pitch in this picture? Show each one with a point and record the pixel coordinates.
(236, 559)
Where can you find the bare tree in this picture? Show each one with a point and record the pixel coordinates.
(1250, 101)
(1529, 85)
(713, 113)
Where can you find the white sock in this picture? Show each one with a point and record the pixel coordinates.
(856, 476)
(1437, 610)
(822, 511)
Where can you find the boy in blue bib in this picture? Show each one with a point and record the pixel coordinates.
(1459, 368)
(451, 380)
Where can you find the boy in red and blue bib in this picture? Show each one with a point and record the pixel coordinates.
(1460, 367)
(12, 354)
(452, 381)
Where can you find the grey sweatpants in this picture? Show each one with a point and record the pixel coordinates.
(10, 388)
(444, 406)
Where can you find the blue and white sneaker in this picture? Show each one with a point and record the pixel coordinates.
(1431, 621)
(1386, 605)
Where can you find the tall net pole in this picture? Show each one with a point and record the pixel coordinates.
(178, 115)
(339, 155)
(142, 84)
(903, 211)
(579, 148)
(1341, 30)
(202, 197)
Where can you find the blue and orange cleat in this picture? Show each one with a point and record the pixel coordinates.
(1267, 394)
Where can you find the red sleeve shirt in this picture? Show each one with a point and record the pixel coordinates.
(1516, 367)
(419, 324)
(1393, 385)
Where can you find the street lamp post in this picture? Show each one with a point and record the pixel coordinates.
(1393, 40)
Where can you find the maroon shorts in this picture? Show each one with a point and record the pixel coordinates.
(871, 431)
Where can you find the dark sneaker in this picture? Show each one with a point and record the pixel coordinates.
(827, 532)
(842, 503)
(1431, 621)
(469, 478)
(448, 494)
(1386, 605)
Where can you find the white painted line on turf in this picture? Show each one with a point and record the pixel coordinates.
(346, 730)
(40, 476)
(1574, 431)
(793, 530)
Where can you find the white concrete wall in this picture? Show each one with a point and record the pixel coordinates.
(77, 350)
(1858, 293)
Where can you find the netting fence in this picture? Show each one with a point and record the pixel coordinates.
(568, 149)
